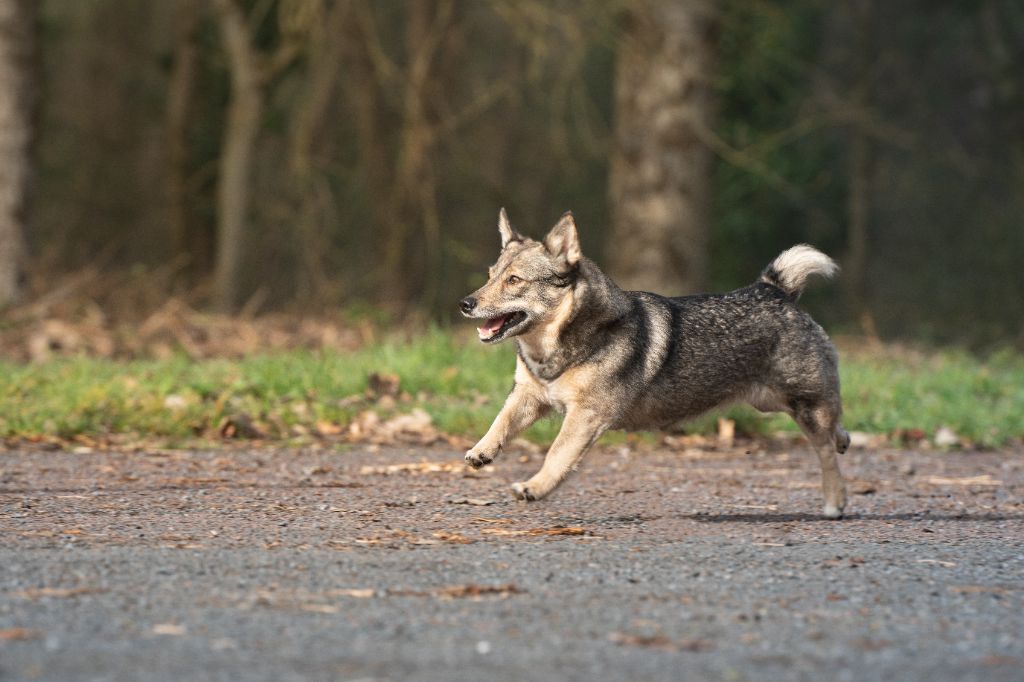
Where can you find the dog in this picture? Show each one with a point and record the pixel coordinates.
(613, 359)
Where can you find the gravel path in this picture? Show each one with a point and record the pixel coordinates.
(396, 563)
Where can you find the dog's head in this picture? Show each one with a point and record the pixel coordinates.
(528, 282)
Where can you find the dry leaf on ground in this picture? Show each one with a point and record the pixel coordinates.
(380, 384)
(239, 426)
(18, 634)
(415, 428)
(660, 642)
(169, 629)
(984, 479)
(556, 530)
(57, 592)
(413, 468)
(473, 501)
(356, 593)
(471, 591)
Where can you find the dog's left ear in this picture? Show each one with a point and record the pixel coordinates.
(563, 242)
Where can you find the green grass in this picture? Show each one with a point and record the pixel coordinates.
(462, 385)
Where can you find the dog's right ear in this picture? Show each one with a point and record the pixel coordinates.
(506, 231)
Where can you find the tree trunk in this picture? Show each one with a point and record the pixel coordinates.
(236, 160)
(403, 186)
(17, 97)
(660, 184)
(860, 171)
(415, 193)
(308, 129)
(189, 243)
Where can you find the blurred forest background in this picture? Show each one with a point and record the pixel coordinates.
(248, 156)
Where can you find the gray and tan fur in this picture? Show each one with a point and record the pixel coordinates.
(608, 358)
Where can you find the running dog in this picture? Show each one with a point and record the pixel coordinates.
(613, 359)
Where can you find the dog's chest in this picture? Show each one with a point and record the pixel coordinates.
(544, 371)
(545, 364)
(544, 379)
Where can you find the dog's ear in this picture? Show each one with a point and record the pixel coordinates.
(506, 231)
(563, 242)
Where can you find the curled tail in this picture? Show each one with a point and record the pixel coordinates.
(791, 268)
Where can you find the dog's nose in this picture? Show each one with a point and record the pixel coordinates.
(467, 304)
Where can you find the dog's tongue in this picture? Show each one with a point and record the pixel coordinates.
(491, 327)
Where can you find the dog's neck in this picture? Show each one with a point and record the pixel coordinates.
(540, 347)
(592, 302)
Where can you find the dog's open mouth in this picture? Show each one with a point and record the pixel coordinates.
(496, 327)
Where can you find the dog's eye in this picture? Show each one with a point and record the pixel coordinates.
(513, 280)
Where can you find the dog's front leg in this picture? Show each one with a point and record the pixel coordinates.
(522, 407)
(580, 430)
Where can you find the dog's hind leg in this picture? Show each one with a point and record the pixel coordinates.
(579, 431)
(820, 423)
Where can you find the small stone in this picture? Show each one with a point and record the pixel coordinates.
(945, 437)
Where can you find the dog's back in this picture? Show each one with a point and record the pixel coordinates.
(693, 353)
(669, 359)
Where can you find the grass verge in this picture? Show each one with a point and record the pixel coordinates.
(461, 384)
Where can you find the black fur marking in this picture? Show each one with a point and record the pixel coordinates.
(563, 279)
(773, 278)
(640, 343)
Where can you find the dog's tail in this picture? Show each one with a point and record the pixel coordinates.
(791, 268)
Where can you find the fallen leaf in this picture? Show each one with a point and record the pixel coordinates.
(862, 488)
(453, 538)
(239, 426)
(319, 608)
(326, 428)
(471, 590)
(557, 530)
(997, 660)
(473, 501)
(977, 589)
(57, 592)
(356, 593)
(18, 634)
(912, 435)
(726, 432)
(416, 428)
(380, 384)
(169, 629)
(984, 479)
(660, 642)
(413, 468)
(867, 644)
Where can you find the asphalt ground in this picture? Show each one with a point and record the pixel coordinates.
(398, 563)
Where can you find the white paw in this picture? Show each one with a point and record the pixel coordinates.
(522, 492)
(477, 459)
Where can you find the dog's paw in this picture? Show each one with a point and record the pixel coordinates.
(832, 512)
(522, 492)
(477, 459)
